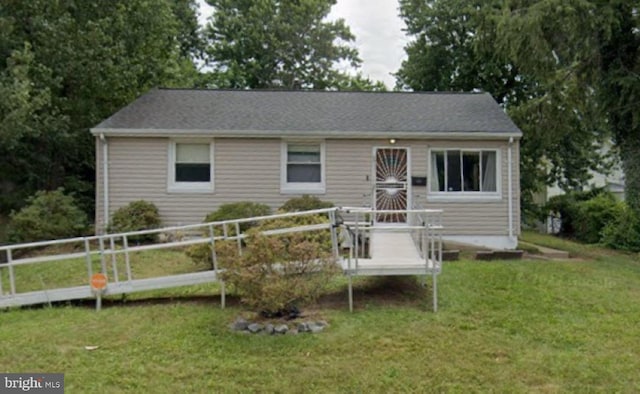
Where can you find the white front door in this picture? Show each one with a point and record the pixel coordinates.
(391, 188)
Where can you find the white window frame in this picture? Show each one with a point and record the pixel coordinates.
(465, 195)
(302, 187)
(189, 187)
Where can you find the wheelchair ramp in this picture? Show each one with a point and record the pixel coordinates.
(391, 253)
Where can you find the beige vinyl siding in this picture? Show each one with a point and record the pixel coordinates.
(243, 170)
(249, 169)
(348, 172)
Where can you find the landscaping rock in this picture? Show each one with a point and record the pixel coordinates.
(315, 328)
(240, 324)
(247, 327)
(280, 329)
(322, 323)
(269, 329)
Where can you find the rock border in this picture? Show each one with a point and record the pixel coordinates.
(244, 326)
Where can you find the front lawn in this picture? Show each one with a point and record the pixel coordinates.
(514, 326)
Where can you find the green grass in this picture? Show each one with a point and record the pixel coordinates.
(514, 326)
(74, 272)
(575, 249)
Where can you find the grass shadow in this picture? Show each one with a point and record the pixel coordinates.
(379, 290)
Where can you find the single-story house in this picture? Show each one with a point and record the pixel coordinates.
(188, 151)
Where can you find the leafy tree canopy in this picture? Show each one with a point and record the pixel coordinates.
(588, 52)
(70, 64)
(467, 45)
(277, 44)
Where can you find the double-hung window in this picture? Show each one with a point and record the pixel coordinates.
(191, 166)
(464, 172)
(302, 169)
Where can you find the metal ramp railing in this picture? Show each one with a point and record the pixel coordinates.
(29, 266)
(413, 247)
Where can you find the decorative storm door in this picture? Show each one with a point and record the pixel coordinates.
(391, 184)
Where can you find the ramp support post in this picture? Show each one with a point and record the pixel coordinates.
(222, 295)
(435, 291)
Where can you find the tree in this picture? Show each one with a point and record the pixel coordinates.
(82, 61)
(455, 49)
(31, 132)
(48, 215)
(588, 52)
(360, 83)
(277, 44)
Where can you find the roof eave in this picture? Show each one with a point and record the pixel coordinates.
(118, 132)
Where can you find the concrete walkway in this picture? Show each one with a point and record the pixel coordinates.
(547, 252)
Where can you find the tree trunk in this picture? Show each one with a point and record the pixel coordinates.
(630, 154)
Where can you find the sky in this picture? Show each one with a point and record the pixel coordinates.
(378, 30)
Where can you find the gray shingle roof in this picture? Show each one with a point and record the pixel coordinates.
(307, 111)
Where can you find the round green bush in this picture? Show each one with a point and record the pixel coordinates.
(275, 273)
(238, 210)
(623, 232)
(135, 216)
(304, 203)
(202, 254)
(593, 215)
(48, 215)
(567, 206)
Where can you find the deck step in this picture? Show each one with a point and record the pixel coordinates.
(499, 255)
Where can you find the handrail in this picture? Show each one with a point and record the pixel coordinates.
(165, 229)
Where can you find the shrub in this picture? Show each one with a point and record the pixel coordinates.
(566, 206)
(201, 254)
(238, 210)
(320, 237)
(48, 215)
(276, 272)
(592, 216)
(135, 216)
(304, 203)
(624, 231)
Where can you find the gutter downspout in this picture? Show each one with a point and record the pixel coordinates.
(105, 181)
(510, 183)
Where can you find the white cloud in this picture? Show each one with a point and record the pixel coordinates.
(378, 30)
(379, 36)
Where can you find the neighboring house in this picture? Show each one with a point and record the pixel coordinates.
(613, 182)
(188, 151)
